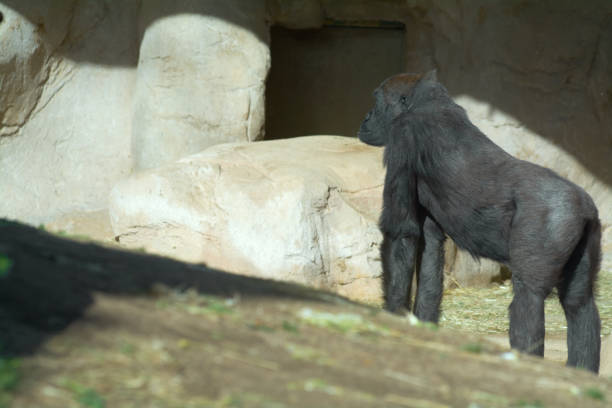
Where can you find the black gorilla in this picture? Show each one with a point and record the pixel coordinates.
(445, 176)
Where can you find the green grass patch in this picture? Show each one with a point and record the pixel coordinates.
(193, 302)
(86, 397)
(472, 348)
(305, 353)
(74, 237)
(290, 327)
(9, 373)
(527, 404)
(244, 399)
(6, 264)
(260, 326)
(91, 399)
(342, 322)
(128, 349)
(589, 392)
(216, 305)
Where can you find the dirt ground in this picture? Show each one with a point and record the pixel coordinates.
(89, 326)
(190, 350)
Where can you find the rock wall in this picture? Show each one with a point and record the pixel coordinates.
(65, 116)
(94, 90)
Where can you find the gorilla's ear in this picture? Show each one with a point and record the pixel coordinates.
(431, 75)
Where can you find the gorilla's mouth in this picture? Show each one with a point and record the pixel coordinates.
(363, 134)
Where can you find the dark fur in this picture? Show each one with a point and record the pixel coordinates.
(444, 176)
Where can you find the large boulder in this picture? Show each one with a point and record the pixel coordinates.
(303, 210)
(200, 78)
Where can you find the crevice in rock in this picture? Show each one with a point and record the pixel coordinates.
(596, 52)
(247, 121)
(38, 106)
(360, 190)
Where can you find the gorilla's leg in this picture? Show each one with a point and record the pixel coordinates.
(430, 278)
(583, 327)
(541, 242)
(576, 296)
(398, 256)
(526, 318)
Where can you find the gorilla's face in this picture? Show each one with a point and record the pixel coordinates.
(391, 99)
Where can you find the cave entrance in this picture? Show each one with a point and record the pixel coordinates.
(321, 80)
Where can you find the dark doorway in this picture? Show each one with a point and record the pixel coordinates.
(321, 81)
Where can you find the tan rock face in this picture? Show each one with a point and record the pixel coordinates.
(90, 225)
(605, 368)
(22, 65)
(200, 78)
(90, 91)
(303, 210)
(64, 121)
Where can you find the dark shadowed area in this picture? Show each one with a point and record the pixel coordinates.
(321, 81)
(51, 282)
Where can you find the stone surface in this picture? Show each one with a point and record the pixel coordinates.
(22, 58)
(200, 78)
(92, 90)
(89, 225)
(605, 368)
(64, 124)
(302, 210)
(462, 270)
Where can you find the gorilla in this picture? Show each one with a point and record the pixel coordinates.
(445, 177)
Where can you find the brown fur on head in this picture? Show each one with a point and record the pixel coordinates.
(398, 83)
(391, 99)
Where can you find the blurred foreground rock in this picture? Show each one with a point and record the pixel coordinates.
(131, 328)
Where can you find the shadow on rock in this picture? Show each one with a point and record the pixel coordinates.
(46, 282)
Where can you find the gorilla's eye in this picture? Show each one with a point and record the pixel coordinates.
(403, 100)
